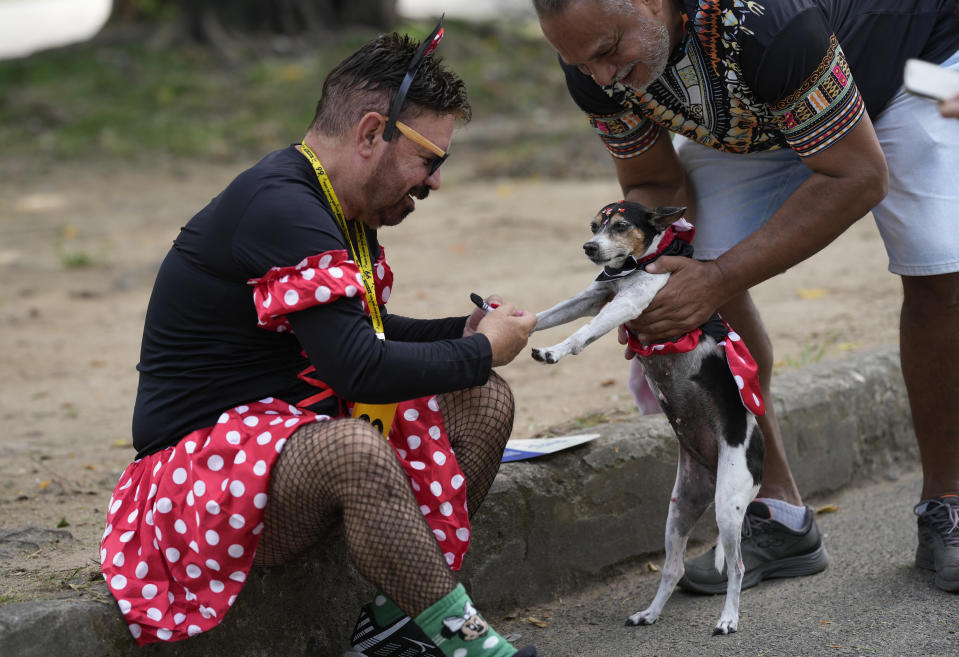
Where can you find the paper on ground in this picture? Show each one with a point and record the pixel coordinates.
(519, 449)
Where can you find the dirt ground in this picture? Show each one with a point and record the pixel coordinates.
(79, 248)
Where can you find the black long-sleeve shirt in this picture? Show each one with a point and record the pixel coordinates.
(203, 352)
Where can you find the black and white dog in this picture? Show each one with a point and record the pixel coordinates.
(705, 382)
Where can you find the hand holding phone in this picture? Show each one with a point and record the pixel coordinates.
(949, 108)
(930, 80)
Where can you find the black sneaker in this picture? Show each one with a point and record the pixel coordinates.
(939, 540)
(404, 638)
(770, 549)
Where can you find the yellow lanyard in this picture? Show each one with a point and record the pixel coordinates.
(360, 252)
(379, 415)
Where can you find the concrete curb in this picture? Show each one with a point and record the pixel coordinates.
(547, 528)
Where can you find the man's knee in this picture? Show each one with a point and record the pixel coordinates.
(931, 298)
(342, 443)
(502, 394)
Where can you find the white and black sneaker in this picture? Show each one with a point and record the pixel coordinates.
(403, 638)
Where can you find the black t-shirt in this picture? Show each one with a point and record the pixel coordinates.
(203, 351)
(767, 74)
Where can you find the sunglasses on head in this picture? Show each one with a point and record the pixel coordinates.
(393, 124)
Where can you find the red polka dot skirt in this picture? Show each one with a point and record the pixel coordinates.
(418, 437)
(183, 523)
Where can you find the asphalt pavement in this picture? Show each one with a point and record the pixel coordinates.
(871, 600)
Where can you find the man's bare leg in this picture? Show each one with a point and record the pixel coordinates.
(929, 347)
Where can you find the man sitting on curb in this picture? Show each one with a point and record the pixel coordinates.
(265, 331)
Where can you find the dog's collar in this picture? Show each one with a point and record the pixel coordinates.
(676, 241)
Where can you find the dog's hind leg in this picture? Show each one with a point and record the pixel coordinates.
(691, 495)
(736, 486)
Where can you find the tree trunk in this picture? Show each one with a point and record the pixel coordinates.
(208, 21)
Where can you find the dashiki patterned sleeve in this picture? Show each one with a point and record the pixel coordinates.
(625, 135)
(824, 109)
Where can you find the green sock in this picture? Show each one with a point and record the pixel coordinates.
(458, 630)
(384, 611)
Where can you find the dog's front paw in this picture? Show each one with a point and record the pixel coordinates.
(545, 356)
(642, 618)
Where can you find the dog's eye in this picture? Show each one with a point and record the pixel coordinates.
(620, 227)
(593, 228)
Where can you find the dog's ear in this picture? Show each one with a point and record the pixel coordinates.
(663, 216)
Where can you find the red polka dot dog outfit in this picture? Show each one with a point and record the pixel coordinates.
(677, 241)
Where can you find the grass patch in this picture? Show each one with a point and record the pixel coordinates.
(589, 420)
(133, 101)
(812, 350)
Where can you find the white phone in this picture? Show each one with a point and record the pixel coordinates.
(930, 80)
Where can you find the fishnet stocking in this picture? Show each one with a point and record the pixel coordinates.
(479, 422)
(344, 471)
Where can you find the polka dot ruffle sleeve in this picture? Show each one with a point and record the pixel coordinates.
(316, 280)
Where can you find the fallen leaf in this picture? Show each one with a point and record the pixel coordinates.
(89, 466)
(652, 567)
(122, 443)
(827, 508)
(537, 622)
(812, 293)
(607, 383)
(43, 484)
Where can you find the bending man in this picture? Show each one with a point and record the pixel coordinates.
(793, 125)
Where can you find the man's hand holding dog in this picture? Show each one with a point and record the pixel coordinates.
(693, 293)
(506, 328)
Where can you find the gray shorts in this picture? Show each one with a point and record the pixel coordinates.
(918, 220)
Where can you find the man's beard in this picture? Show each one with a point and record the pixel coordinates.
(657, 56)
(388, 202)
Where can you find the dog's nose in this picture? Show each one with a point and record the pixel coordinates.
(590, 248)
